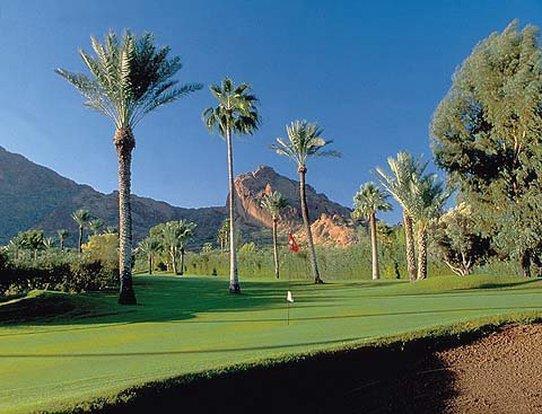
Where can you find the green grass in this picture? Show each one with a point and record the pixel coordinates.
(58, 350)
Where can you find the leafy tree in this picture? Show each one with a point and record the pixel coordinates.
(399, 184)
(95, 226)
(129, 78)
(149, 247)
(103, 248)
(62, 236)
(428, 198)
(304, 142)
(458, 241)
(367, 202)
(274, 203)
(81, 218)
(236, 113)
(487, 136)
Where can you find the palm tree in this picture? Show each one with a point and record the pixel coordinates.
(274, 203)
(186, 233)
(304, 142)
(367, 201)
(235, 113)
(173, 236)
(48, 243)
(62, 236)
(149, 247)
(82, 218)
(403, 168)
(223, 234)
(18, 243)
(95, 226)
(429, 197)
(129, 78)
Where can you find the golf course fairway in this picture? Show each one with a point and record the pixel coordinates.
(57, 350)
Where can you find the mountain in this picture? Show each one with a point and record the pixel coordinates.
(33, 196)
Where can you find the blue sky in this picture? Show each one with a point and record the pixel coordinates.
(371, 73)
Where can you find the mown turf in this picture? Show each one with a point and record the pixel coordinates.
(189, 325)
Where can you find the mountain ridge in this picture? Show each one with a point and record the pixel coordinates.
(36, 196)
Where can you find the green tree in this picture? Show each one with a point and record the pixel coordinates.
(428, 198)
(236, 113)
(367, 202)
(33, 240)
(274, 203)
(149, 247)
(173, 236)
(458, 241)
(399, 184)
(81, 218)
(129, 78)
(304, 142)
(487, 136)
(62, 236)
(223, 235)
(18, 243)
(95, 226)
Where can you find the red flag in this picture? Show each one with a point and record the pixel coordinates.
(292, 244)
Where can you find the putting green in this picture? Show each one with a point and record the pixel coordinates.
(192, 324)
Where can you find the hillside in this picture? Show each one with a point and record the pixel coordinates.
(33, 196)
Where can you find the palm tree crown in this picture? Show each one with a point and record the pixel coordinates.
(304, 141)
(429, 196)
(81, 217)
(368, 200)
(236, 110)
(404, 168)
(274, 203)
(130, 77)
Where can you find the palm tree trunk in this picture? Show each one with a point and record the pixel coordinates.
(234, 276)
(422, 253)
(374, 246)
(80, 243)
(409, 243)
(150, 264)
(61, 245)
(124, 144)
(173, 255)
(182, 262)
(305, 213)
(275, 248)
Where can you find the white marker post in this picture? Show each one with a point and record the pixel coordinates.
(289, 299)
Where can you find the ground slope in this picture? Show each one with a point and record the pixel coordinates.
(190, 325)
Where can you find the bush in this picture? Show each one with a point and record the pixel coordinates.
(55, 270)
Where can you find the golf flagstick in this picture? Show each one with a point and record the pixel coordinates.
(289, 299)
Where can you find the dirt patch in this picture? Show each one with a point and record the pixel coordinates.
(496, 373)
(501, 373)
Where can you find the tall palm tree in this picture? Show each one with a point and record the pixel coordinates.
(129, 78)
(305, 141)
(274, 203)
(62, 236)
(236, 113)
(429, 197)
(367, 202)
(403, 168)
(95, 226)
(82, 218)
(149, 247)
